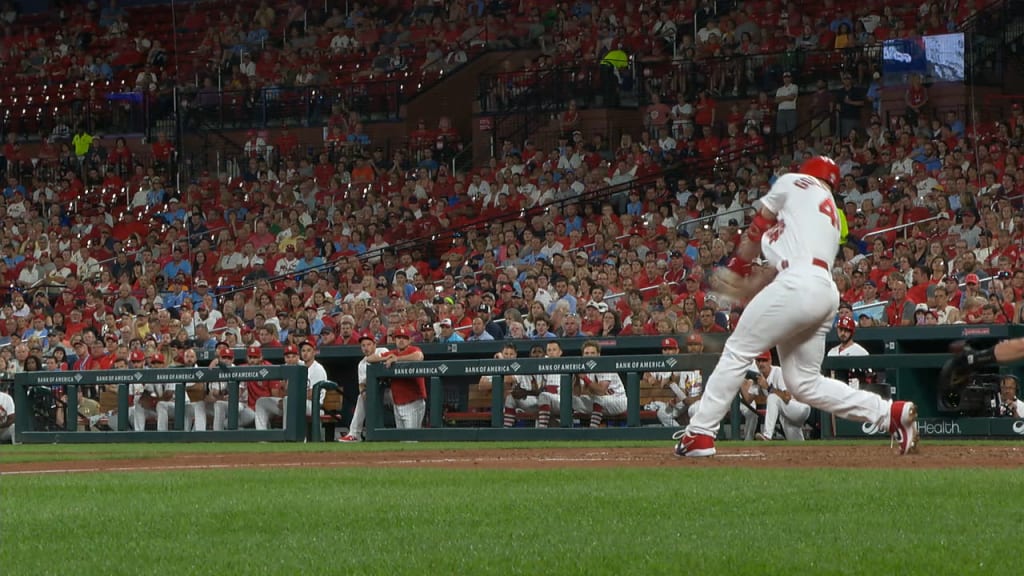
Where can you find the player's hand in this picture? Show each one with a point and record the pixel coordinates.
(518, 393)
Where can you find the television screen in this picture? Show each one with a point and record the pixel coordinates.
(937, 58)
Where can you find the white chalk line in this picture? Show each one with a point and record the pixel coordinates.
(339, 463)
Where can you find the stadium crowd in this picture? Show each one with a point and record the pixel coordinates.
(103, 254)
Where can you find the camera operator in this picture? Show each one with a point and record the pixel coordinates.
(1009, 405)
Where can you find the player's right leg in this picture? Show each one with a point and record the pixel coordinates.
(801, 369)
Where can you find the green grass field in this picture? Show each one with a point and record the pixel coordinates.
(669, 520)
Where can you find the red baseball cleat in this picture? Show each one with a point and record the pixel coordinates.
(693, 445)
(903, 426)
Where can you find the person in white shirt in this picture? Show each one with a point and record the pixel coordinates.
(368, 346)
(6, 418)
(605, 393)
(845, 328)
(786, 96)
(780, 404)
(687, 385)
(478, 188)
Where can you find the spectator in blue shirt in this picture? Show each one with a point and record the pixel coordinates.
(448, 333)
(177, 265)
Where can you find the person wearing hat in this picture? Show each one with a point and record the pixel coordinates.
(408, 394)
(368, 346)
(780, 406)
(695, 343)
(165, 403)
(147, 396)
(448, 333)
(869, 304)
(786, 97)
(493, 329)
(427, 333)
(215, 404)
(687, 386)
(315, 373)
(271, 406)
(967, 227)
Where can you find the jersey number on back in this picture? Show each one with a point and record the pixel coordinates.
(828, 208)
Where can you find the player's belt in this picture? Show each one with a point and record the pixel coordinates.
(815, 261)
(551, 389)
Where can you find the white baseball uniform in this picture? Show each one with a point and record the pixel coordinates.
(165, 409)
(550, 399)
(793, 313)
(599, 405)
(246, 415)
(792, 414)
(750, 417)
(853, 349)
(355, 428)
(269, 406)
(6, 408)
(138, 412)
(528, 404)
(686, 384)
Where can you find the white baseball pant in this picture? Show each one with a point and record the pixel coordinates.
(749, 422)
(513, 407)
(200, 411)
(267, 408)
(246, 416)
(410, 415)
(549, 403)
(669, 415)
(799, 332)
(164, 412)
(7, 435)
(140, 415)
(355, 428)
(793, 415)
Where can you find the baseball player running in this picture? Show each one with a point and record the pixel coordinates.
(605, 393)
(368, 345)
(779, 403)
(791, 306)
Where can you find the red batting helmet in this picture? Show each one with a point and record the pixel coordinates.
(846, 323)
(822, 167)
(766, 355)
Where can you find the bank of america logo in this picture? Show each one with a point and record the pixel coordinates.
(264, 372)
(590, 364)
(442, 368)
(671, 362)
(137, 375)
(78, 377)
(199, 373)
(515, 366)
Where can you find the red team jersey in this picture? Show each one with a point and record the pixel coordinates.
(406, 390)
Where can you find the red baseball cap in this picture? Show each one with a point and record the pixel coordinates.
(669, 343)
(972, 279)
(291, 349)
(766, 355)
(254, 352)
(401, 332)
(310, 341)
(157, 358)
(694, 338)
(226, 353)
(367, 336)
(137, 356)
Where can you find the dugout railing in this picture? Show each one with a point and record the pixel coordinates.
(68, 383)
